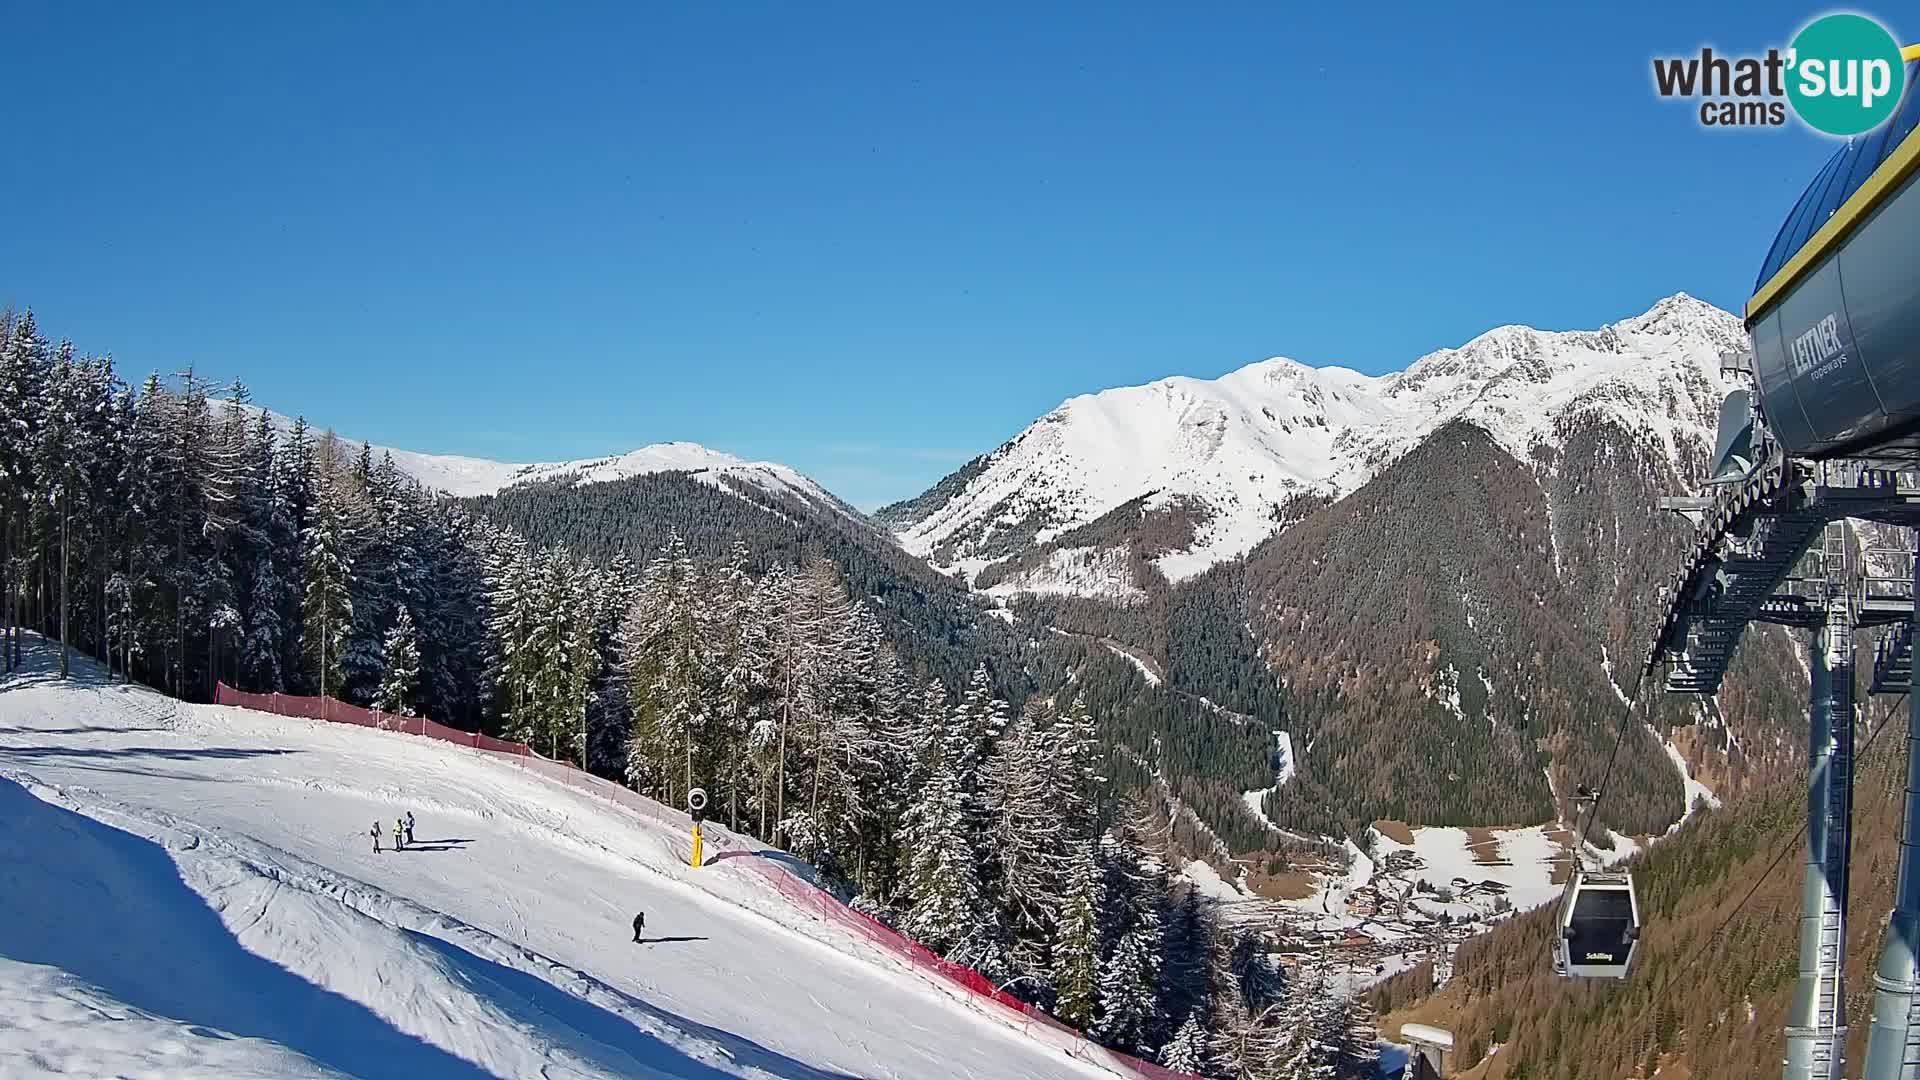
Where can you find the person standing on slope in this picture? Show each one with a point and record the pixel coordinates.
(409, 826)
(376, 837)
(399, 832)
(639, 924)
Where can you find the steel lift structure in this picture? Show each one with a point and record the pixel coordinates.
(1825, 429)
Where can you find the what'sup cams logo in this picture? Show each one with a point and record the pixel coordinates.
(1842, 75)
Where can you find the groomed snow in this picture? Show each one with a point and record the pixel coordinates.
(189, 890)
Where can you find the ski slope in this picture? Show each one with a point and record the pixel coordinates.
(190, 890)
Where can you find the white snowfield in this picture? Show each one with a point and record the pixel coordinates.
(1239, 444)
(191, 890)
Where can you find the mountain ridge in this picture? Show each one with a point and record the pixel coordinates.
(1230, 453)
(469, 477)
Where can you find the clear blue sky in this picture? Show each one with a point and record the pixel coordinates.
(866, 241)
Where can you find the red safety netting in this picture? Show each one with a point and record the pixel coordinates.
(802, 894)
(812, 899)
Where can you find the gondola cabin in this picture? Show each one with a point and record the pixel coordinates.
(1599, 927)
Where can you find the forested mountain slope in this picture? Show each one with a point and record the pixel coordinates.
(1467, 624)
(1454, 642)
(935, 623)
(1713, 983)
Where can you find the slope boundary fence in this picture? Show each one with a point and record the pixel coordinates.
(803, 894)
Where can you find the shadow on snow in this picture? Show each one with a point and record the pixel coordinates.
(110, 907)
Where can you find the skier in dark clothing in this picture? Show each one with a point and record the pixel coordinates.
(409, 826)
(376, 838)
(639, 924)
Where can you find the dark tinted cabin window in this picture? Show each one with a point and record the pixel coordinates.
(1601, 920)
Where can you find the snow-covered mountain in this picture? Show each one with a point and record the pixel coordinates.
(1227, 456)
(468, 476)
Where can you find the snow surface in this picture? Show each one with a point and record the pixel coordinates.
(1075, 571)
(1696, 792)
(1210, 883)
(189, 890)
(1139, 665)
(1256, 805)
(1284, 745)
(1524, 861)
(1256, 800)
(1235, 446)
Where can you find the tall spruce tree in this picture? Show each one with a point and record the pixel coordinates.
(399, 683)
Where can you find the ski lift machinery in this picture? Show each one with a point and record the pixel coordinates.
(1599, 919)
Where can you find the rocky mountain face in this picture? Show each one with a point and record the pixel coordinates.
(1184, 473)
(1456, 570)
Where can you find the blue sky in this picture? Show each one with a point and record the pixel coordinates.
(866, 241)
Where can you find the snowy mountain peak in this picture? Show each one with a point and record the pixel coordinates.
(1228, 453)
(468, 476)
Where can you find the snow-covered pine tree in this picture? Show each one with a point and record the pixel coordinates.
(1076, 753)
(105, 492)
(293, 465)
(969, 735)
(457, 652)
(24, 358)
(666, 678)
(1354, 1038)
(1131, 924)
(608, 719)
(511, 590)
(1185, 984)
(402, 678)
(268, 588)
(741, 638)
(949, 914)
(61, 467)
(327, 610)
(368, 497)
(1077, 943)
(1031, 847)
(808, 642)
(1190, 1050)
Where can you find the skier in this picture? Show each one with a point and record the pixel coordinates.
(399, 832)
(376, 838)
(639, 924)
(409, 826)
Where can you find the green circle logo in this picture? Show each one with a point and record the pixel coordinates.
(1846, 74)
